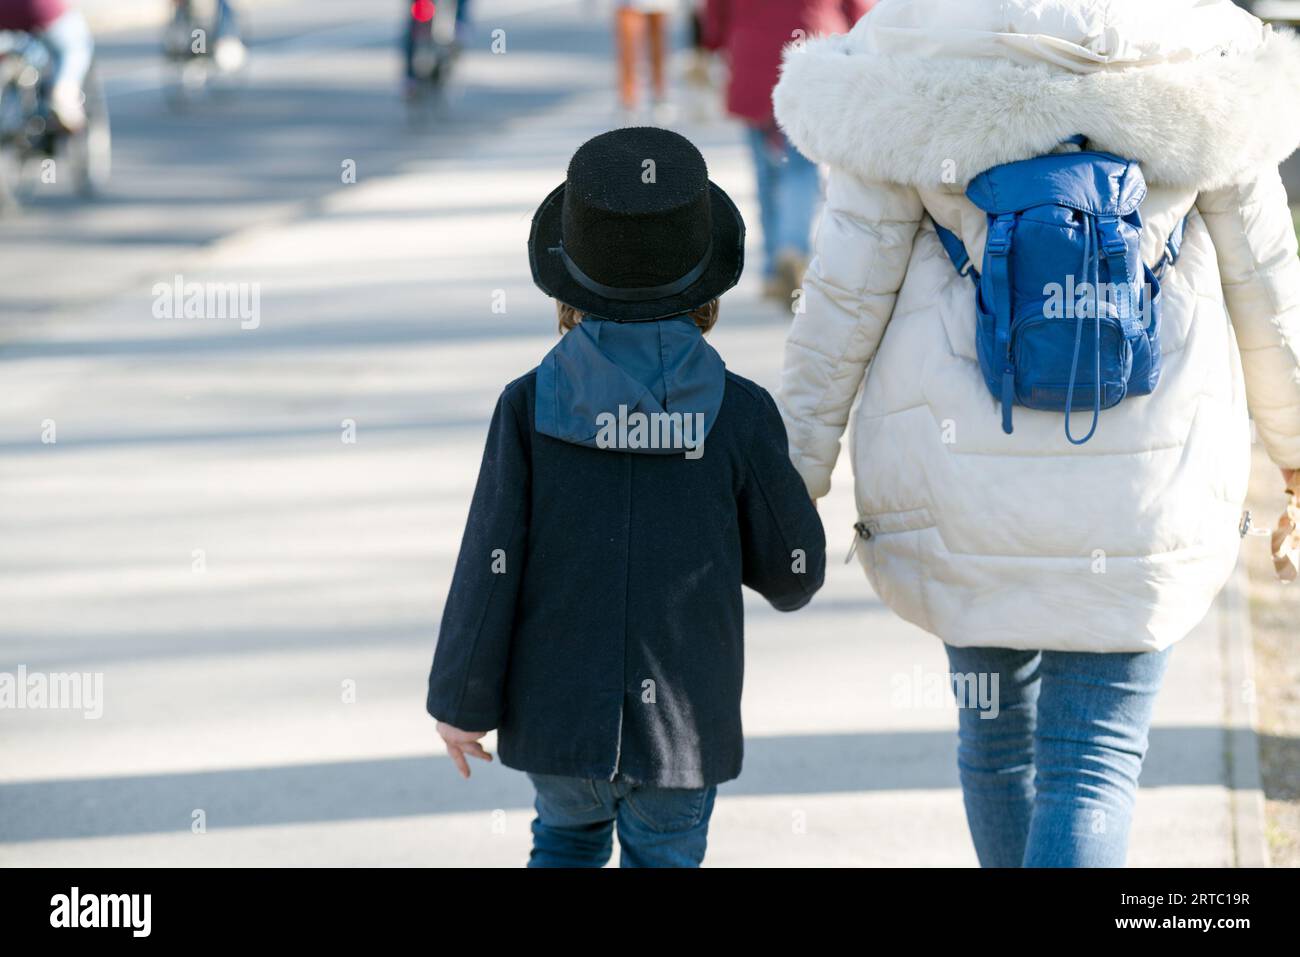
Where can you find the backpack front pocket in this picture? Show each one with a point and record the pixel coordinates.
(1044, 358)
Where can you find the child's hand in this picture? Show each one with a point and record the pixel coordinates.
(460, 743)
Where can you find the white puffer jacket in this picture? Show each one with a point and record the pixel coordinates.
(1023, 540)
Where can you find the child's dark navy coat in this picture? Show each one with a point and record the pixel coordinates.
(595, 617)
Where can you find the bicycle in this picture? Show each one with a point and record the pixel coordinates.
(31, 135)
(202, 51)
(432, 48)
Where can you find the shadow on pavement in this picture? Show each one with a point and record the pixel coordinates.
(413, 786)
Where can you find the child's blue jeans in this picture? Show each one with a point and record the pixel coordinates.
(657, 827)
(1050, 781)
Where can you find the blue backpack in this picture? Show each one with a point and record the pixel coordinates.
(1064, 236)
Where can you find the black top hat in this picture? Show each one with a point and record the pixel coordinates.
(637, 231)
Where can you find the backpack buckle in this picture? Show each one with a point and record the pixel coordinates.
(999, 239)
(1173, 246)
(1111, 241)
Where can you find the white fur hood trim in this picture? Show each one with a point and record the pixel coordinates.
(1197, 122)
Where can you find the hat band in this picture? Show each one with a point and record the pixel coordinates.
(640, 294)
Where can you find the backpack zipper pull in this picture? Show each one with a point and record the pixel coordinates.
(861, 533)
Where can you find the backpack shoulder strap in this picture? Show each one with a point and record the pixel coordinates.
(997, 260)
(956, 251)
(1115, 250)
(1173, 246)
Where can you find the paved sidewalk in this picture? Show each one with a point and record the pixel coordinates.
(326, 563)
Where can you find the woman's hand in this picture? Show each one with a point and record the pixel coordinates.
(1286, 537)
(460, 743)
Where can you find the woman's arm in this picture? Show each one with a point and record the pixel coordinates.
(864, 245)
(1254, 237)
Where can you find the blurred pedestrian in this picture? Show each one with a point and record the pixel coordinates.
(67, 36)
(699, 87)
(752, 33)
(697, 71)
(641, 26)
(595, 618)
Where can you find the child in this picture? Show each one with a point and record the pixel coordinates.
(629, 487)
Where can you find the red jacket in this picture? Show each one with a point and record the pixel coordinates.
(753, 32)
(30, 15)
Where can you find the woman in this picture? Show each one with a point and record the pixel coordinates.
(1065, 571)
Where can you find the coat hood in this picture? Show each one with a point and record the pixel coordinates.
(930, 93)
(602, 371)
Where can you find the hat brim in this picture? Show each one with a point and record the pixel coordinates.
(723, 271)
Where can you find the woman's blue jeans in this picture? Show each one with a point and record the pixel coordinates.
(657, 827)
(1049, 775)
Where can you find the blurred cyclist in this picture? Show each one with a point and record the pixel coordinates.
(67, 35)
(227, 48)
(423, 11)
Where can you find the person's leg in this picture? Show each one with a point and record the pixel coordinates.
(656, 28)
(227, 48)
(1093, 718)
(176, 41)
(764, 178)
(997, 693)
(664, 827)
(227, 22)
(464, 25)
(408, 50)
(798, 190)
(627, 25)
(72, 48)
(574, 824)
